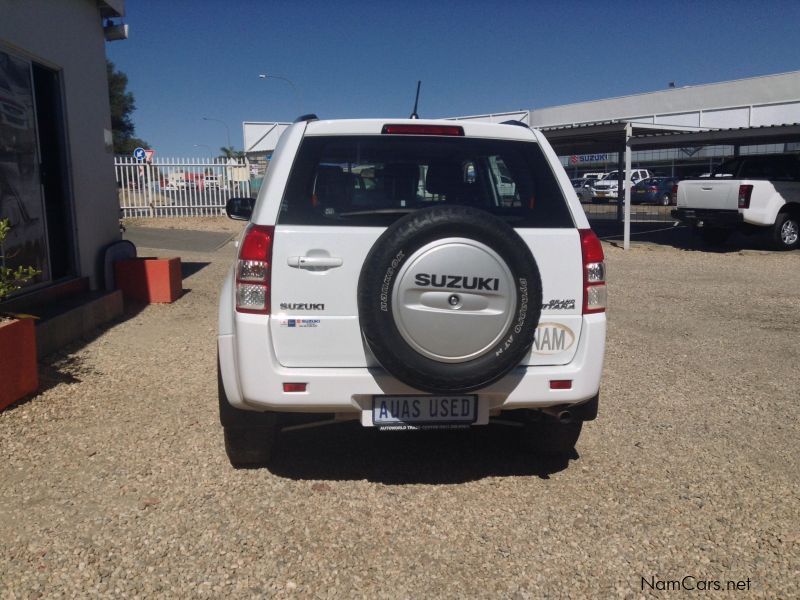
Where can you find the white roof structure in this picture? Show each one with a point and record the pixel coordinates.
(261, 138)
(752, 102)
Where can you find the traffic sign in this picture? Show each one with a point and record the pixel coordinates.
(148, 154)
(139, 153)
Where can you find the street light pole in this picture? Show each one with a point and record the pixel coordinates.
(287, 80)
(227, 129)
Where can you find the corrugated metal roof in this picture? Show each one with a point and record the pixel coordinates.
(757, 128)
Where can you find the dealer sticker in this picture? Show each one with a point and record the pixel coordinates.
(300, 322)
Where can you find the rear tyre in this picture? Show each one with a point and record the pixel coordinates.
(248, 447)
(785, 234)
(548, 436)
(249, 435)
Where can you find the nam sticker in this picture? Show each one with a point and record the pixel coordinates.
(552, 338)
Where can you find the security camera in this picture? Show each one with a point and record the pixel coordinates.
(113, 32)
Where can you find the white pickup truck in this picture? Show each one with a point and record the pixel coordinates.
(754, 193)
(608, 187)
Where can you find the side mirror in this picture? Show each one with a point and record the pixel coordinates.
(240, 209)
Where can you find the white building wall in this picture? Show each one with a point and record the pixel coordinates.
(774, 100)
(67, 35)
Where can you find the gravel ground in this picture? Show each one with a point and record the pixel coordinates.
(115, 482)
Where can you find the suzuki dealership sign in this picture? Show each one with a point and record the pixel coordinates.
(577, 159)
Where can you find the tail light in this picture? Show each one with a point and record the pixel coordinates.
(675, 190)
(253, 270)
(594, 273)
(652, 188)
(745, 191)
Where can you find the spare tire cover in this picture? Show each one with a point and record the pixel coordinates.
(449, 298)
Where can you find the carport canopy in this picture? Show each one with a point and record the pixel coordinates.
(625, 136)
(604, 136)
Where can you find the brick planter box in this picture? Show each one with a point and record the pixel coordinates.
(149, 280)
(19, 375)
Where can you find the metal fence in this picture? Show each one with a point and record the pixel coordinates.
(612, 210)
(179, 187)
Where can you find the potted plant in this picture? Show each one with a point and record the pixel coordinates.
(18, 373)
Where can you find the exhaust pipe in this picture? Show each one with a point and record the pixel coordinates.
(562, 415)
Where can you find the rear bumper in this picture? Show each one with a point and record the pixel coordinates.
(708, 217)
(254, 379)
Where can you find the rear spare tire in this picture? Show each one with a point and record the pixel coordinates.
(449, 298)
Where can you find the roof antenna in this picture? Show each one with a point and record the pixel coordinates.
(414, 114)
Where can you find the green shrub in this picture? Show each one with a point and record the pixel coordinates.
(12, 279)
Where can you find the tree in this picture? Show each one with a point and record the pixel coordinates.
(231, 152)
(122, 106)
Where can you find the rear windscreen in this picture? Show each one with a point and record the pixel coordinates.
(374, 180)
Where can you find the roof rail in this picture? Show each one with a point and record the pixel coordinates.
(308, 117)
(515, 122)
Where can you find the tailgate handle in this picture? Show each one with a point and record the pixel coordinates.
(314, 263)
(707, 188)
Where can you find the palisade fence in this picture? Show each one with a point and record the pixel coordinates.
(179, 187)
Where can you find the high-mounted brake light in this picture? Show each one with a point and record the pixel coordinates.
(253, 270)
(745, 191)
(454, 130)
(594, 273)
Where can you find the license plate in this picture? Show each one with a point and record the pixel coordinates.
(640, 191)
(601, 194)
(421, 411)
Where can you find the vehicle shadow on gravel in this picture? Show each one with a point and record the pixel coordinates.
(349, 452)
(677, 236)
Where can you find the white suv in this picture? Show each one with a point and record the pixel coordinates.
(388, 274)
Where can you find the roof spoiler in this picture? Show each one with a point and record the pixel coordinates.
(308, 117)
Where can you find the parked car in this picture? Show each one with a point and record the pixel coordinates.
(583, 188)
(403, 311)
(607, 188)
(758, 193)
(654, 190)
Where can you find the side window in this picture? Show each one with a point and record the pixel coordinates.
(506, 189)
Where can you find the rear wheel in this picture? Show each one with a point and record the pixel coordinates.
(547, 436)
(785, 234)
(248, 447)
(249, 436)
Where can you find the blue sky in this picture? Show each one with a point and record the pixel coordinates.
(190, 59)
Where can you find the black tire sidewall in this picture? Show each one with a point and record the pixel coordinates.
(777, 240)
(375, 290)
